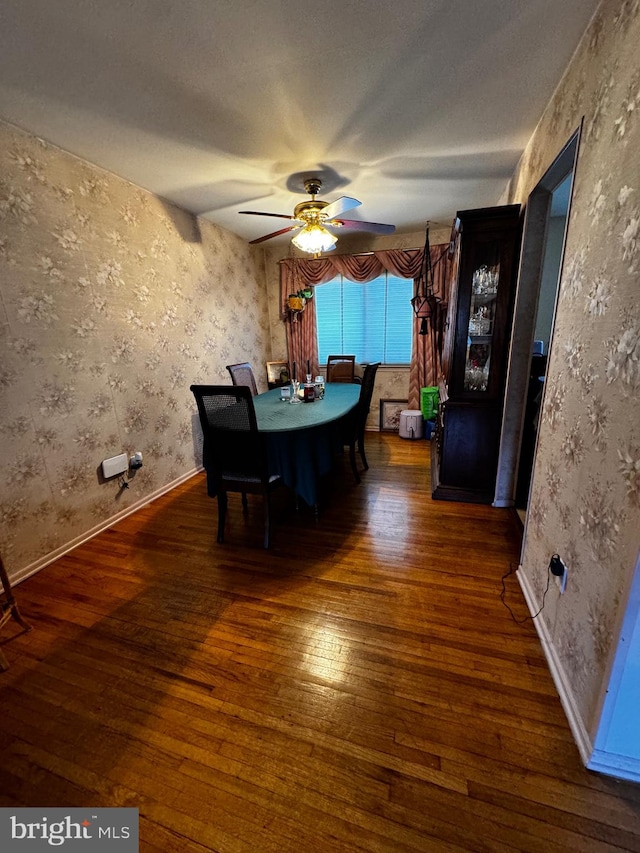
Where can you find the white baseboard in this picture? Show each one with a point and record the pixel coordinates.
(40, 563)
(615, 765)
(569, 705)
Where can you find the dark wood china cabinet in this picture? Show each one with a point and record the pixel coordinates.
(467, 436)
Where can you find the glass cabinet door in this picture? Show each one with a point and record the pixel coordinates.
(482, 315)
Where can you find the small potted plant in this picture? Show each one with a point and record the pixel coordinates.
(296, 301)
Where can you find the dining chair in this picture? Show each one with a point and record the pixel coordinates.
(357, 424)
(234, 452)
(242, 374)
(341, 368)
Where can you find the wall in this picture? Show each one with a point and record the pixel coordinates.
(391, 383)
(586, 485)
(112, 303)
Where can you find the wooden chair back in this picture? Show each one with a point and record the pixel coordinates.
(358, 423)
(242, 374)
(341, 368)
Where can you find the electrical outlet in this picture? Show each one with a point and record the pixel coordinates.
(561, 578)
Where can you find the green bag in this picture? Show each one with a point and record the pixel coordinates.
(429, 402)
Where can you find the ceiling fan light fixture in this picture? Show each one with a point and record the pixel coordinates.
(312, 217)
(313, 238)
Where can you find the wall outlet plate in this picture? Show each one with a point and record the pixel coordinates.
(115, 465)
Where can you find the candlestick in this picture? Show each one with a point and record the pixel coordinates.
(294, 370)
(308, 366)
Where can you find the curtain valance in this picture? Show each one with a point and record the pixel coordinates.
(298, 273)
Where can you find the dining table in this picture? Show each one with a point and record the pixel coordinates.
(304, 438)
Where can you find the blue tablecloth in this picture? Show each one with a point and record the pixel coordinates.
(303, 439)
(275, 416)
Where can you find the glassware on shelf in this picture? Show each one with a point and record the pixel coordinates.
(476, 379)
(480, 322)
(485, 281)
(482, 315)
(476, 369)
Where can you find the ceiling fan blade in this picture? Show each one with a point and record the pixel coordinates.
(356, 225)
(274, 234)
(262, 213)
(340, 205)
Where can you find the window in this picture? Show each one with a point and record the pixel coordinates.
(372, 321)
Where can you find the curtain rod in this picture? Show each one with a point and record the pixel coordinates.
(350, 254)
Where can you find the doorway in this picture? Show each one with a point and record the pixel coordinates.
(544, 233)
(548, 293)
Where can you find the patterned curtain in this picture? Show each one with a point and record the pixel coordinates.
(298, 273)
(426, 352)
(302, 341)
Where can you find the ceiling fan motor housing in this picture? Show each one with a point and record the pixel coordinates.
(310, 211)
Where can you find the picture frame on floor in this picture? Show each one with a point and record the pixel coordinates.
(390, 414)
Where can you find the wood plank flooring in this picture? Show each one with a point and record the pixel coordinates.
(359, 687)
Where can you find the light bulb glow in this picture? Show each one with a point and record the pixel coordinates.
(313, 238)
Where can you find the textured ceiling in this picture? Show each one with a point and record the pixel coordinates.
(415, 107)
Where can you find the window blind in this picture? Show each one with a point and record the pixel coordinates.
(372, 320)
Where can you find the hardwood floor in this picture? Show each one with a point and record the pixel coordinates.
(359, 687)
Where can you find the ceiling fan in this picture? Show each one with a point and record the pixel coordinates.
(313, 219)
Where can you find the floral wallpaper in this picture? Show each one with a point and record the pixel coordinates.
(112, 303)
(585, 500)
